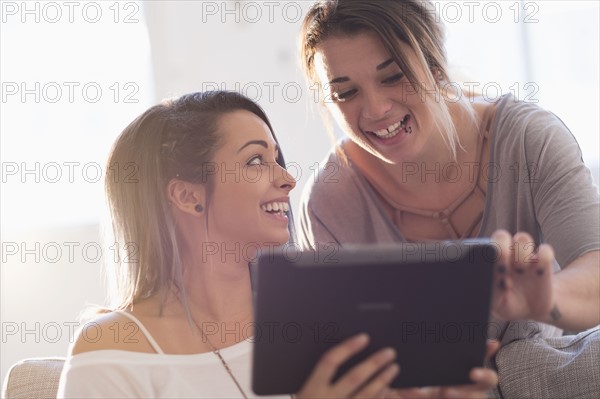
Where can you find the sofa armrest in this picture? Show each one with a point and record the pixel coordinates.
(33, 378)
(560, 367)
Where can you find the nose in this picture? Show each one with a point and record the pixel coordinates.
(283, 179)
(376, 105)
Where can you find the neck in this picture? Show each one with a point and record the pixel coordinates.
(218, 296)
(218, 289)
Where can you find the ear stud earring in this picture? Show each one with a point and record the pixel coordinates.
(198, 208)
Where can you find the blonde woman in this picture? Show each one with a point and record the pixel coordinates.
(182, 322)
(425, 161)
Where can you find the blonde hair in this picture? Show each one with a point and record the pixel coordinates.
(177, 138)
(413, 22)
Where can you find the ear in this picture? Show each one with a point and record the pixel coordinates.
(437, 75)
(186, 196)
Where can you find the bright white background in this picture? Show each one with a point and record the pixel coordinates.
(72, 78)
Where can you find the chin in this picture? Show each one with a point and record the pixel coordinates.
(282, 239)
(266, 241)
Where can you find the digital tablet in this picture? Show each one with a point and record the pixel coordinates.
(430, 301)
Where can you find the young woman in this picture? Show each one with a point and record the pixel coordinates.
(425, 161)
(196, 186)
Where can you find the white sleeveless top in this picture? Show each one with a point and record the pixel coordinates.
(126, 374)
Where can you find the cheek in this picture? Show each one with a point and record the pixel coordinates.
(250, 189)
(413, 100)
(228, 195)
(425, 117)
(249, 176)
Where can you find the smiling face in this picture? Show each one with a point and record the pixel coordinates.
(371, 99)
(250, 198)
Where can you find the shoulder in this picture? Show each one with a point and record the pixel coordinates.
(334, 179)
(526, 131)
(518, 119)
(110, 331)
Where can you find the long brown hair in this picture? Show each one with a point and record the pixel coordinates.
(177, 138)
(413, 22)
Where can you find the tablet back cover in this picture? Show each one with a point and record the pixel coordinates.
(429, 301)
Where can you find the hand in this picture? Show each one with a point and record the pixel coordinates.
(483, 380)
(359, 381)
(523, 278)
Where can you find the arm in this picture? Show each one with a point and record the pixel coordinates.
(559, 206)
(568, 210)
(89, 373)
(577, 294)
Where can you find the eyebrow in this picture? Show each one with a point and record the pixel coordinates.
(379, 67)
(261, 143)
(384, 64)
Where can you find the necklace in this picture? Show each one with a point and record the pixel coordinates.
(217, 353)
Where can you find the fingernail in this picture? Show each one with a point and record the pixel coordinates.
(477, 374)
(388, 353)
(393, 370)
(361, 339)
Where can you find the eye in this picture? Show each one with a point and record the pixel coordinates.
(256, 160)
(393, 79)
(343, 96)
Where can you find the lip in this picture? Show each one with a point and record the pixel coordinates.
(400, 137)
(279, 217)
(385, 125)
(280, 199)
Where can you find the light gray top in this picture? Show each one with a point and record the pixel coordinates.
(537, 184)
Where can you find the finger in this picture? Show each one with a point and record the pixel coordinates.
(545, 257)
(491, 348)
(541, 278)
(410, 393)
(484, 379)
(502, 240)
(503, 243)
(524, 249)
(462, 392)
(332, 359)
(361, 373)
(394, 394)
(379, 385)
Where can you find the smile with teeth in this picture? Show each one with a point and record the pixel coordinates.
(276, 207)
(394, 129)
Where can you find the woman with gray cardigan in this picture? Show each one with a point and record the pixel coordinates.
(424, 161)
